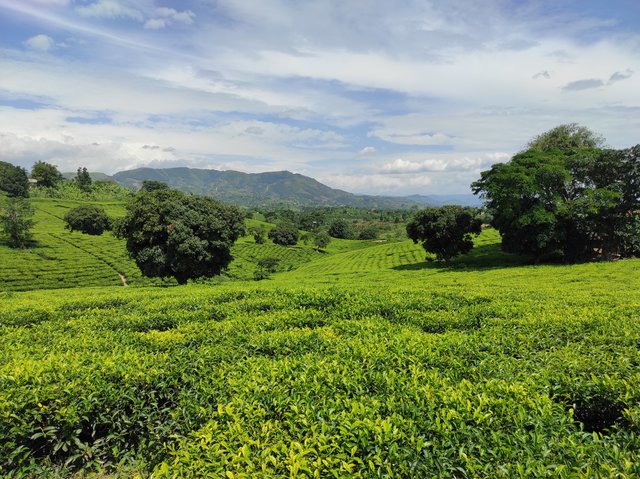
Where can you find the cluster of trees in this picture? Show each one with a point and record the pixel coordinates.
(566, 196)
(16, 213)
(345, 222)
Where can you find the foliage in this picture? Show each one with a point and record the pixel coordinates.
(446, 231)
(16, 221)
(321, 239)
(170, 234)
(259, 234)
(89, 219)
(13, 180)
(369, 233)
(153, 185)
(339, 229)
(69, 190)
(284, 234)
(83, 180)
(568, 137)
(265, 267)
(46, 174)
(566, 198)
(530, 372)
(359, 221)
(59, 259)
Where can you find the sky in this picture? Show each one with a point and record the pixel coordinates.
(379, 97)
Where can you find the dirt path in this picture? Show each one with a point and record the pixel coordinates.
(123, 279)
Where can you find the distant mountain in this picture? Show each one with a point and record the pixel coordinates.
(97, 176)
(278, 188)
(272, 189)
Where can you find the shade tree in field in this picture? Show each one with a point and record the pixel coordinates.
(259, 234)
(14, 180)
(318, 238)
(170, 234)
(16, 221)
(566, 196)
(284, 233)
(88, 219)
(446, 231)
(83, 179)
(339, 229)
(46, 174)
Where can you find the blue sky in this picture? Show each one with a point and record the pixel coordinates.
(379, 97)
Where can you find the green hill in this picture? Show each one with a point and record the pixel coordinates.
(256, 189)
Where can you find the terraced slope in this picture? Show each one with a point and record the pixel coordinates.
(61, 259)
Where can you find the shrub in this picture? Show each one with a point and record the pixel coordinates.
(89, 219)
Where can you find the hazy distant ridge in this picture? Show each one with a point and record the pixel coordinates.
(271, 188)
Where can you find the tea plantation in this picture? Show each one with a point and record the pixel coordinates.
(364, 361)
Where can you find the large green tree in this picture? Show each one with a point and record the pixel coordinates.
(83, 179)
(170, 234)
(89, 219)
(284, 233)
(565, 196)
(13, 180)
(16, 221)
(46, 174)
(446, 231)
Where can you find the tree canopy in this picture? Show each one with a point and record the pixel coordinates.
(16, 220)
(83, 179)
(89, 219)
(170, 234)
(565, 196)
(13, 180)
(284, 233)
(446, 231)
(46, 174)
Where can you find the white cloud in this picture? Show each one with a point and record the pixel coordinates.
(412, 138)
(163, 17)
(40, 42)
(367, 150)
(367, 183)
(110, 9)
(401, 166)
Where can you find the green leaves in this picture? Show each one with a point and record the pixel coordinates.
(170, 234)
(446, 231)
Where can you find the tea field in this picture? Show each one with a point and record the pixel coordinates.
(361, 361)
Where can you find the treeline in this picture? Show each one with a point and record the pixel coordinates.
(343, 222)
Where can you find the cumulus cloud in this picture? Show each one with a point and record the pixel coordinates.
(380, 183)
(367, 150)
(69, 153)
(401, 166)
(619, 76)
(580, 85)
(41, 43)
(110, 9)
(164, 17)
(421, 138)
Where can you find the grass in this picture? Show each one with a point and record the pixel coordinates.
(363, 361)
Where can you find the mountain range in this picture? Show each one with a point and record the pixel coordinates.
(276, 188)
